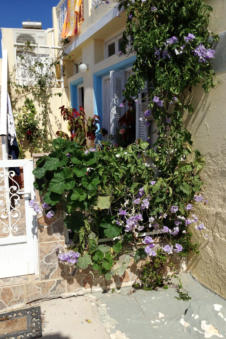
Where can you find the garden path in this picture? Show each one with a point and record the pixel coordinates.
(126, 314)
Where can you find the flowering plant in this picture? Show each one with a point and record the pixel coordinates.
(80, 127)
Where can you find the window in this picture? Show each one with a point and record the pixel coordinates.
(113, 46)
(80, 96)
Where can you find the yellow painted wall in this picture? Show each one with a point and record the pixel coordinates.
(208, 127)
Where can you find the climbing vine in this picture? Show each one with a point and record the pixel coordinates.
(33, 80)
(140, 197)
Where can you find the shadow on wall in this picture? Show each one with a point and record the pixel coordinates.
(199, 100)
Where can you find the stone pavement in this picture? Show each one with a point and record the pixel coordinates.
(126, 314)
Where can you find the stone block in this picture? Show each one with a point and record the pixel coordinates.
(49, 267)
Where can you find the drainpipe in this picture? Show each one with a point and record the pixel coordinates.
(4, 119)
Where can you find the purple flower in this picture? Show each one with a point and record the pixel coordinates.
(203, 53)
(153, 182)
(121, 105)
(45, 205)
(122, 212)
(172, 40)
(200, 227)
(136, 201)
(188, 222)
(68, 155)
(32, 203)
(177, 223)
(147, 113)
(154, 9)
(92, 149)
(189, 37)
(141, 191)
(145, 204)
(62, 257)
(157, 52)
(168, 120)
(50, 214)
(195, 218)
(148, 240)
(130, 17)
(37, 208)
(166, 229)
(118, 222)
(188, 207)
(198, 198)
(140, 228)
(174, 209)
(138, 217)
(149, 251)
(168, 249)
(175, 231)
(165, 54)
(151, 219)
(178, 248)
(157, 101)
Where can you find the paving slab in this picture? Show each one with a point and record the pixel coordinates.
(129, 314)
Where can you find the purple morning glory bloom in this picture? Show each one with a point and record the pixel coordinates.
(168, 249)
(153, 182)
(149, 251)
(148, 240)
(145, 204)
(174, 209)
(147, 113)
(178, 248)
(122, 212)
(175, 231)
(203, 53)
(154, 9)
(172, 40)
(157, 101)
(195, 218)
(50, 214)
(198, 198)
(166, 229)
(141, 191)
(62, 257)
(32, 203)
(138, 217)
(189, 37)
(37, 208)
(136, 201)
(157, 52)
(45, 205)
(188, 222)
(165, 54)
(188, 207)
(121, 105)
(200, 227)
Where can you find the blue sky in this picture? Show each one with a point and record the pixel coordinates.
(13, 12)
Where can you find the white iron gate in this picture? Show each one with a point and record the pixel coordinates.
(18, 231)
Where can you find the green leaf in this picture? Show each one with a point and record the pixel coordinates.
(80, 172)
(117, 247)
(52, 164)
(104, 248)
(79, 195)
(52, 198)
(98, 256)
(107, 265)
(39, 172)
(84, 261)
(103, 202)
(74, 221)
(112, 231)
(76, 161)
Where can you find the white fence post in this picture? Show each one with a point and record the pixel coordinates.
(4, 93)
